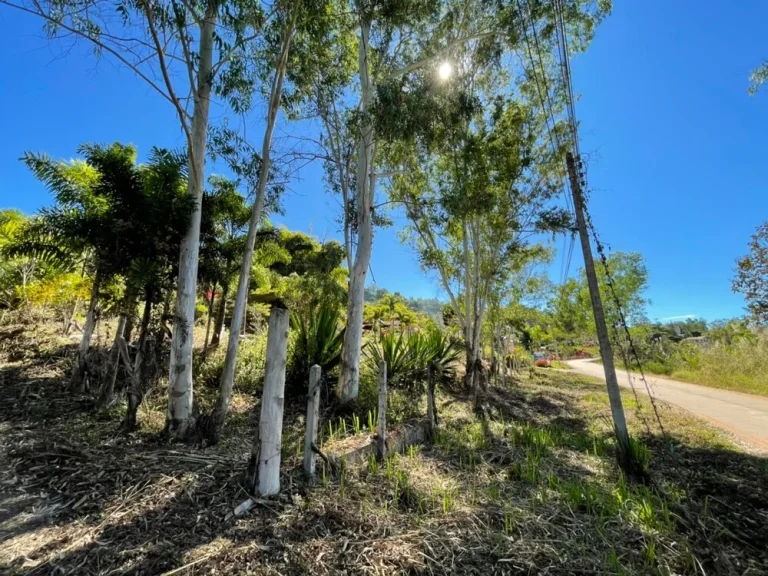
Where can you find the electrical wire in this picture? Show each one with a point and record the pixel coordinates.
(565, 66)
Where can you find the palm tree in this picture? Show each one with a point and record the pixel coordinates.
(84, 221)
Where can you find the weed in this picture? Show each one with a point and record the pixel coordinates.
(508, 522)
(493, 492)
(583, 497)
(373, 464)
(650, 551)
(371, 422)
(646, 513)
(621, 493)
(529, 472)
(639, 454)
(447, 502)
(390, 467)
(613, 563)
(356, 424)
(553, 481)
(325, 476)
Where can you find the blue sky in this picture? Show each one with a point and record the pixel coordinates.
(676, 146)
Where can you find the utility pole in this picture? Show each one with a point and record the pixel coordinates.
(606, 353)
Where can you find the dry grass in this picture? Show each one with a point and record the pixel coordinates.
(531, 488)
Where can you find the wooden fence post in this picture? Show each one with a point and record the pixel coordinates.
(381, 439)
(313, 409)
(271, 421)
(431, 408)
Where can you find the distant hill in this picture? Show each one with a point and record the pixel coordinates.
(429, 306)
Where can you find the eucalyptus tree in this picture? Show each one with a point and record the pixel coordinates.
(222, 242)
(472, 201)
(161, 225)
(298, 28)
(187, 52)
(394, 40)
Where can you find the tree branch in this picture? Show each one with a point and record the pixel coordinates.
(166, 77)
(95, 41)
(429, 59)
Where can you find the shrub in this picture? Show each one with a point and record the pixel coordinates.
(249, 370)
(318, 340)
(400, 403)
(409, 358)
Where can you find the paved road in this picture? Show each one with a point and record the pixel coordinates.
(744, 415)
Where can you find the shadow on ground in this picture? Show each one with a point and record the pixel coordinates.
(77, 497)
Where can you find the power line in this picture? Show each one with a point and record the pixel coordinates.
(548, 110)
(563, 51)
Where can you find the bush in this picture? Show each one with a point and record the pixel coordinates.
(318, 340)
(409, 357)
(400, 403)
(249, 370)
(519, 360)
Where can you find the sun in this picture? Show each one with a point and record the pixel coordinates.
(445, 70)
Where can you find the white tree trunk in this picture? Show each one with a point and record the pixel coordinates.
(349, 377)
(228, 373)
(381, 435)
(313, 412)
(77, 381)
(271, 421)
(180, 392)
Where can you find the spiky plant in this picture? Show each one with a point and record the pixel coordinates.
(318, 341)
(399, 354)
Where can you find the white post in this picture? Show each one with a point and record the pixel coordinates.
(271, 422)
(381, 440)
(313, 409)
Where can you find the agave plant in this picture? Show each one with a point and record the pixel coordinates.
(395, 350)
(443, 353)
(409, 358)
(318, 341)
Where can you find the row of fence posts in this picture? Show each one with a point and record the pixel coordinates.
(266, 451)
(313, 409)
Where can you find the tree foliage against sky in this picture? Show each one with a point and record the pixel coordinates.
(752, 275)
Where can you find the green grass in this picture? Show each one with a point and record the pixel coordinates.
(742, 367)
(534, 483)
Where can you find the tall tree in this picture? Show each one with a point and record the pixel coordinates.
(752, 275)
(196, 49)
(222, 242)
(572, 308)
(299, 28)
(93, 199)
(287, 15)
(394, 40)
(473, 197)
